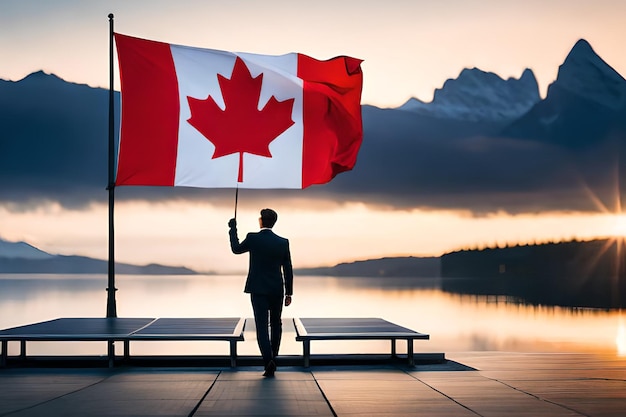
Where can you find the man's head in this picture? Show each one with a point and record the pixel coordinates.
(268, 218)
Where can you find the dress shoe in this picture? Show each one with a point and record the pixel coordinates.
(270, 369)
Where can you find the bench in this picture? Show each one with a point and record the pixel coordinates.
(308, 329)
(125, 330)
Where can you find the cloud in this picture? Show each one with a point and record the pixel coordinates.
(408, 161)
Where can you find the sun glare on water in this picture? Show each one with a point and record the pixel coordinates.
(620, 340)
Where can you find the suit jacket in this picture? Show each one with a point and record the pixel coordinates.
(270, 270)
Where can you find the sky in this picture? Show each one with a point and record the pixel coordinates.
(409, 48)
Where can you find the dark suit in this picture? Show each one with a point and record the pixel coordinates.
(270, 277)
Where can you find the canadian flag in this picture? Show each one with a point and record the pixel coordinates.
(213, 119)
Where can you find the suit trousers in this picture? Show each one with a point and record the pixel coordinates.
(267, 315)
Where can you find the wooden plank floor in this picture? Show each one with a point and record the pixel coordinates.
(102, 393)
(248, 394)
(488, 384)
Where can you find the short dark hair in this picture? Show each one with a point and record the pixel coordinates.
(268, 217)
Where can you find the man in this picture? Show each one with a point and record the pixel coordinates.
(270, 262)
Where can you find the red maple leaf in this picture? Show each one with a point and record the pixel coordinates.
(241, 126)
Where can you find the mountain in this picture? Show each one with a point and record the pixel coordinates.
(586, 74)
(21, 250)
(20, 257)
(480, 96)
(553, 156)
(584, 105)
(54, 139)
(484, 144)
(415, 267)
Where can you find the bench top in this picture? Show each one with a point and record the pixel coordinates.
(102, 329)
(192, 329)
(352, 328)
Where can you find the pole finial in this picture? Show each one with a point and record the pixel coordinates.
(111, 16)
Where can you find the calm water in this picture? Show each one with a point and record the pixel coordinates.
(455, 322)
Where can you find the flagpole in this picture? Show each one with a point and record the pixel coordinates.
(111, 303)
(236, 200)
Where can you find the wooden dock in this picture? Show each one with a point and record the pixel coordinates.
(487, 384)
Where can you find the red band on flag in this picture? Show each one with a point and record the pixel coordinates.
(332, 116)
(150, 112)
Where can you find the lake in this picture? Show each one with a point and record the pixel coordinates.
(455, 322)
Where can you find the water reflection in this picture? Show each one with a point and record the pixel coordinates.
(620, 340)
(455, 321)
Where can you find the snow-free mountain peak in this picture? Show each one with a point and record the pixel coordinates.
(586, 74)
(476, 95)
(21, 250)
(585, 105)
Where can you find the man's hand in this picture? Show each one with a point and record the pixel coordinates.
(232, 223)
(287, 300)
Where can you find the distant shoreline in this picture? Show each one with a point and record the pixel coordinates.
(61, 264)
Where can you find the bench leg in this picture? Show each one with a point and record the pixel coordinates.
(3, 356)
(306, 350)
(233, 354)
(409, 351)
(111, 352)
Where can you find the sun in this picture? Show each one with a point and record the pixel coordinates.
(619, 225)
